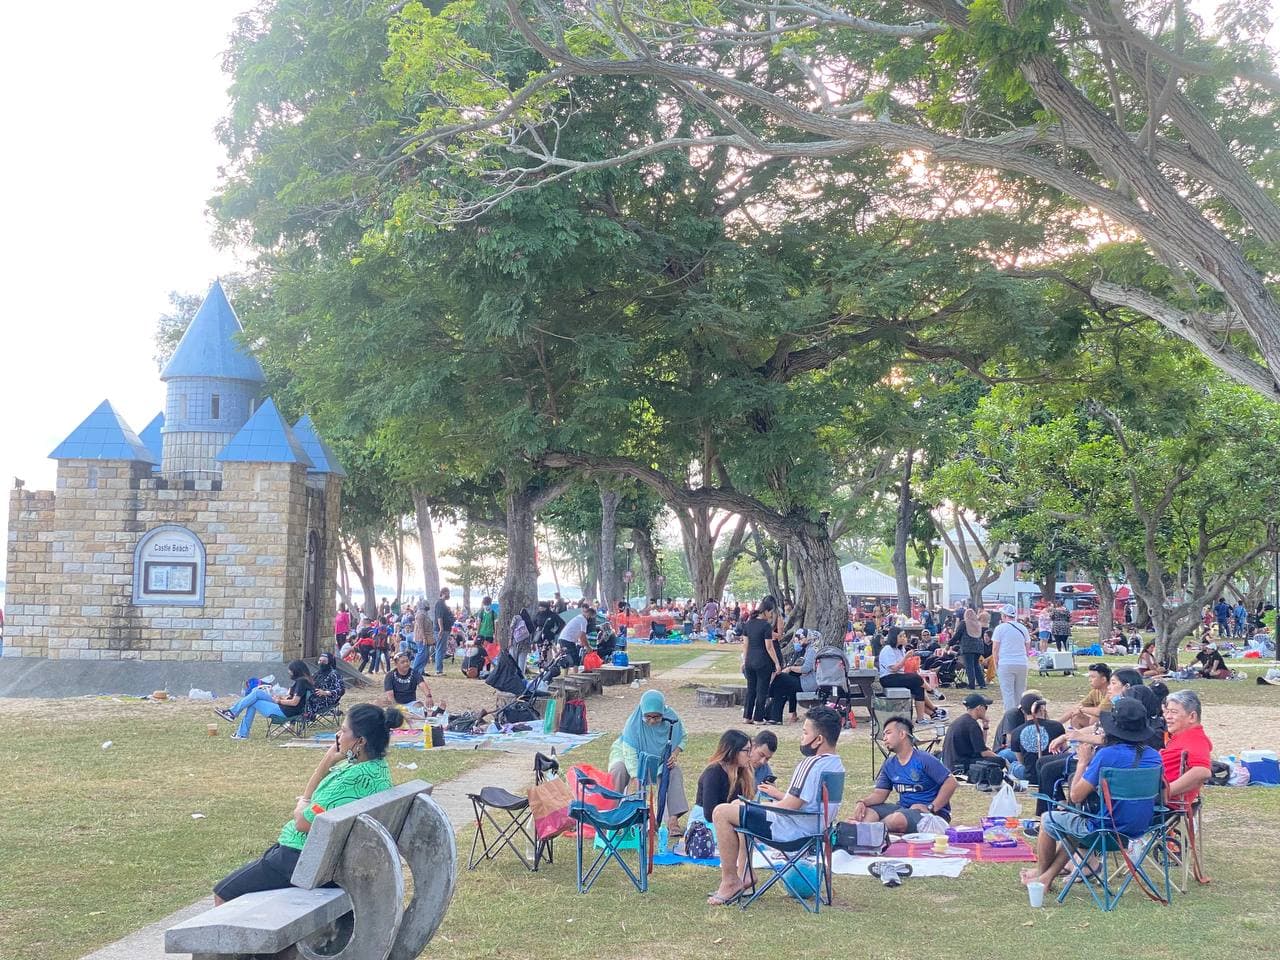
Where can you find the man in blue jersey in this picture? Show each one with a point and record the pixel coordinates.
(920, 781)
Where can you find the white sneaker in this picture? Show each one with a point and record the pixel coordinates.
(236, 736)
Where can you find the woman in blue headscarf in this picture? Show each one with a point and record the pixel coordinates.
(644, 738)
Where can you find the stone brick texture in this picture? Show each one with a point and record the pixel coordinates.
(69, 577)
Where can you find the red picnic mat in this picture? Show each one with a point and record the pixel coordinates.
(979, 852)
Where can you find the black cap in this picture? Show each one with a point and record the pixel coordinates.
(976, 700)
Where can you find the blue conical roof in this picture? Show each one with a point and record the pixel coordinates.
(211, 348)
(151, 438)
(322, 458)
(266, 438)
(103, 436)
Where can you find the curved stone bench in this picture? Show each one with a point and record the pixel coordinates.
(359, 848)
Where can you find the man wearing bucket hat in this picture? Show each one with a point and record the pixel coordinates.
(1010, 643)
(1126, 728)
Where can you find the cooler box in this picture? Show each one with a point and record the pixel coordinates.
(1263, 766)
(1063, 660)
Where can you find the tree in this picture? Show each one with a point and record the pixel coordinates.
(476, 563)
(1137, 112)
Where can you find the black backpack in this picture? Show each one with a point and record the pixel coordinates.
(573, 718)
(986, 774)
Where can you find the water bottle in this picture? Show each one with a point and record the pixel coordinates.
(663, 837)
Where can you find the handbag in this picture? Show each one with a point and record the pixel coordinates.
(986, 774)
(861, 839)
(549, 803)
(549, 717)
(573, 719)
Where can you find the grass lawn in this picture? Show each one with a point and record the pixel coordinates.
(98, 842)
(669, 656)
(984, 912)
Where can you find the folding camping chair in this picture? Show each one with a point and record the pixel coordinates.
(1137, 854)
(896, 702)
(518, 815)
(1185, 827)
(795, 854)
(295, 726)
(629, 821)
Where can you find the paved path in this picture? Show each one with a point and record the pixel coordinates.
(511, 770)
(693, 667)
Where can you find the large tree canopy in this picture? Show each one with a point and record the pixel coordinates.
(1151, 121)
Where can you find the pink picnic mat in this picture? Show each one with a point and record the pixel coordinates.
(979, 852)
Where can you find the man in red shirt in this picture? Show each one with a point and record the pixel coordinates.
(1188, 754)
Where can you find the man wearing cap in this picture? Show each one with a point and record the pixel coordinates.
(966, 737)
(1126, 729)
(1010, 642)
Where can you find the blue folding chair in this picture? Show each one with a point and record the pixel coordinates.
(795, 854)
(631, 817)
(1151, 848)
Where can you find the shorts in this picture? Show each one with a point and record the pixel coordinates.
(1064, 825)
(272, 871)
(1044, 634)
(884, 810)
(571, 651)
(756, 820)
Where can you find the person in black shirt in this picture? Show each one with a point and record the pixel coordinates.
(1030, 741)
(404, 685)
(1211, 664)
(966, 737)
(442, 617)
(760, 660)
(728, 775)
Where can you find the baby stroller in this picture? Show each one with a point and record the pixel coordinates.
(831, 671)
(505, 678)
(944, 666)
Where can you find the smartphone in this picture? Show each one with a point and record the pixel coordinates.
(769, 780)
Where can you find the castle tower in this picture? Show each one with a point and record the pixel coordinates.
(213, 385)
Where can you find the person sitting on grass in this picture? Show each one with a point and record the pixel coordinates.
(763, 746)
(728, 776)
(966, 739)
(260, 700)
(922, 783)
(1210, 664)
(353, 768)
(1126, 730)
(405, 686)
(1148, 666)
(1085, 714)
(651, 726)
(818, 737)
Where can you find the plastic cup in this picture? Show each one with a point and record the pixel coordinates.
(1035, 894)
(940, 844)
(213, 729)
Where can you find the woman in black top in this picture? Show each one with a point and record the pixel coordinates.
(760, 659)
(728, 775)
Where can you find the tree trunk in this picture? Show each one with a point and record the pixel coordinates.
(1106, 604)
(609, 583)
(642, 543)
(699, 551)
(902, 533)
(427, 540)
(770, 574)
(721, 579)
(344, 579)
(520, 585)
(784, 570)
(1141, 611)
(821, 602)
(397, 551)
(364, 573)
(591, 588)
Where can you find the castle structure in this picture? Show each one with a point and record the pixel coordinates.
(210, 537)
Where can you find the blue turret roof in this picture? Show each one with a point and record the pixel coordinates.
(211, 348)
(322, 458)
(151, 437)
(266, 438)
(103, 436)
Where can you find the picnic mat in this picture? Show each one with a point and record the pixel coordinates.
(528, 740)
(841, 863)
(980, 852)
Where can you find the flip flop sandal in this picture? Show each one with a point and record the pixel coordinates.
(715, 900)
(898, 870)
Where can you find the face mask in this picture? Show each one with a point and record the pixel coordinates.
(797, 646)
(1115, 700)
(808, 750)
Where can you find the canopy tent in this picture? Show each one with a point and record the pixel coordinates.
(859, 580)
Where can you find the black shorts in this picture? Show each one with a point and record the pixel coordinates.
(272, 871)
(756, 820)
(570, 650)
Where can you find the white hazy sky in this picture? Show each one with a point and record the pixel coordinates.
(109, 161)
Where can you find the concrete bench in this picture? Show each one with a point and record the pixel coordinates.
(359, 848)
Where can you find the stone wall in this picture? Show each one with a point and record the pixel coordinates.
(71, 558)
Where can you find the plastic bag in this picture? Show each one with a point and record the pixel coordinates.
(195, 693)
(931, 823)
(1004, 803)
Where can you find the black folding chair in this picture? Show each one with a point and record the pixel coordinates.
(518, 822)
(295, 726)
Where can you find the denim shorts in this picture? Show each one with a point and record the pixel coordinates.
(1064, 825)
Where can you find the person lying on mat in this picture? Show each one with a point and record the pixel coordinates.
(1126, 728)
(922, 783)
(646, 733)
(818, 738)
(353, 768)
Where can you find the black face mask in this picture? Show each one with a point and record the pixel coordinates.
(808, 749)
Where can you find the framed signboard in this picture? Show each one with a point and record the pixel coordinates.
(169, 567)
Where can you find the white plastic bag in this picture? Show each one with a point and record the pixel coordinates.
(195, 693)
(929, 823)
(1004, 803)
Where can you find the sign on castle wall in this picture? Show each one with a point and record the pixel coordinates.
(169, 567)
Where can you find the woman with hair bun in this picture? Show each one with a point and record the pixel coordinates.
(353, 768)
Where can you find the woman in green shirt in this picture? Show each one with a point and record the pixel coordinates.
(353, 768)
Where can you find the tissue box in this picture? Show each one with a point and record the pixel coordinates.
(965, 834)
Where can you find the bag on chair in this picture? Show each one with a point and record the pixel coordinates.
(573, 719)
(986, 774)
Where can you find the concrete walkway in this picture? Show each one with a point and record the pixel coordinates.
(511, 770)
(694, 667)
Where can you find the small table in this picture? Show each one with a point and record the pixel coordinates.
(860, 688)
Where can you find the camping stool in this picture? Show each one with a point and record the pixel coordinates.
(518, 821)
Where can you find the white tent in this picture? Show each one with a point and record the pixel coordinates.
(859, 580)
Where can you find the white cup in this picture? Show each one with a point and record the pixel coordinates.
(1035, 893)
